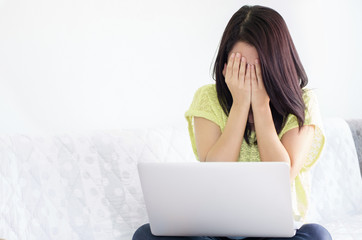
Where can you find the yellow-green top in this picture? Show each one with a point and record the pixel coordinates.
(205, 104)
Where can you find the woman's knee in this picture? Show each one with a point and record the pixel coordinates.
(143, 232)
(316, 231)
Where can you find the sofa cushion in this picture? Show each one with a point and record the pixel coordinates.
(336, 182)
(356, 129)
(80, 186)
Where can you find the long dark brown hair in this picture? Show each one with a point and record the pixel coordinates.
(282, 72)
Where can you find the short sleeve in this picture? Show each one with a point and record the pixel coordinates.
(204, 104)
(312, 117)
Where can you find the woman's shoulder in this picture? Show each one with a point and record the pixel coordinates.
(308, 94)
(311, 101)
(206, 93)
(205, 101)
(208, 89)
(311, 111)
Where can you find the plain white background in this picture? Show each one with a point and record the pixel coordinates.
(77, 65)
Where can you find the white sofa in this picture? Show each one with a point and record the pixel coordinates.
(86, 186)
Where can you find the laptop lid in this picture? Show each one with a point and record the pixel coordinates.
(250, 199)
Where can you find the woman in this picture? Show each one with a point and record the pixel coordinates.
(258, 110)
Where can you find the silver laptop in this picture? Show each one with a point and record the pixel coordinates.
(225, 199)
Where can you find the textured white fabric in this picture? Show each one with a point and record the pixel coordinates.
(80, 186)
(336, 194)
(86, 186)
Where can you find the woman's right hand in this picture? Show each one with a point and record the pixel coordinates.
(238, 79)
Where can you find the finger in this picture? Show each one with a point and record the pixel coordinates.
(258, 72)
(230, 66)
(242, 69)
(254, 81)
(236, 65)
(247, 75)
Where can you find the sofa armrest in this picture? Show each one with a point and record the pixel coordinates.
(356, 128)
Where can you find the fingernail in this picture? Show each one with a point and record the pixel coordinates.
(256, 61)
(243, 59)
(237, 55)
(233, 54)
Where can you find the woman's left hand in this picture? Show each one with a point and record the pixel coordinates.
(259, 96)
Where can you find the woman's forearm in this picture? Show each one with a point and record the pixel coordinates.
(270, 147)
(227, 147)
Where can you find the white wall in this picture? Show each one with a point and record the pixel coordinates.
(75, 65)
